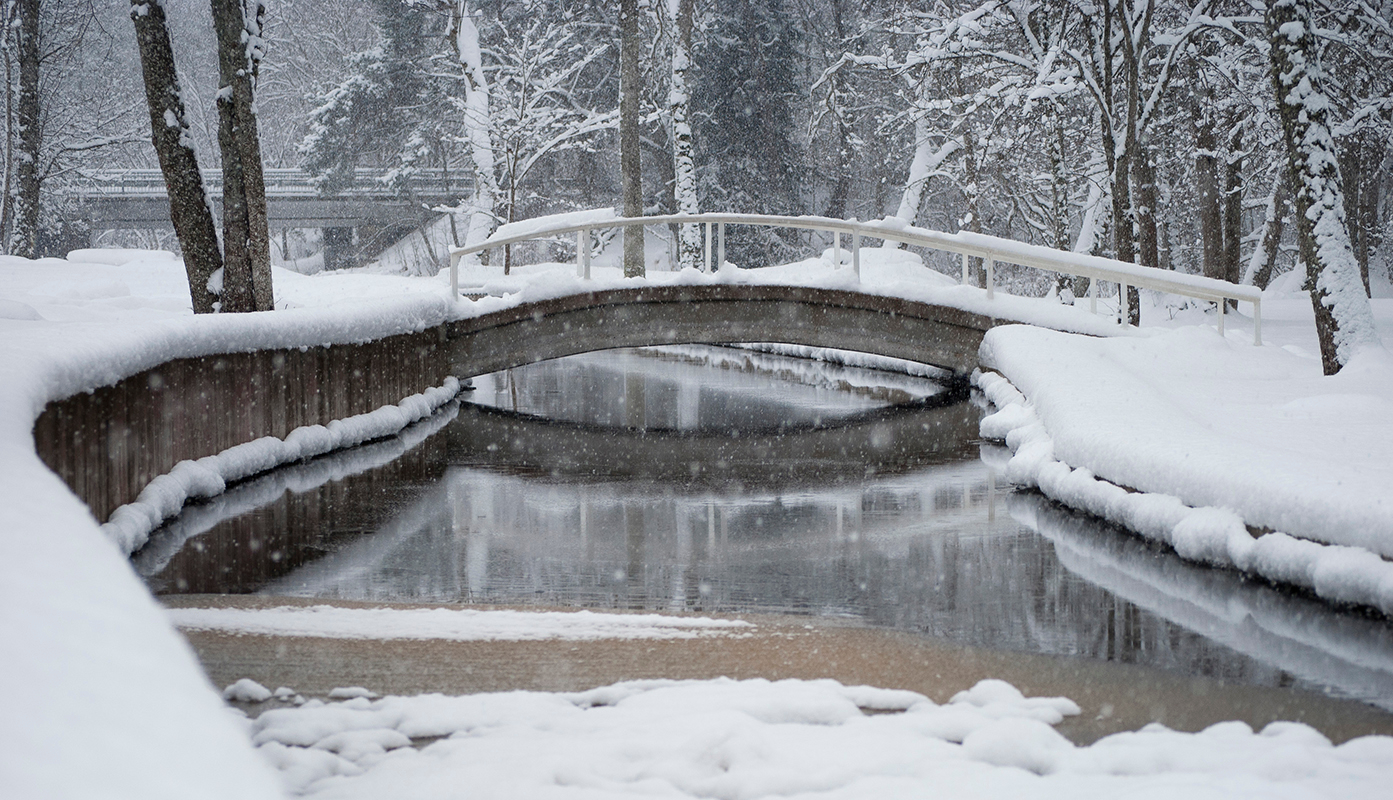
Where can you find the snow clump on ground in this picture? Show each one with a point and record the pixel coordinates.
(791, 738)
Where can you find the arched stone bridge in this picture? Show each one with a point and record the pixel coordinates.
(727, 313)
(717, 314)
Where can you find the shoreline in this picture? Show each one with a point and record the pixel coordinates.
(1114, 697)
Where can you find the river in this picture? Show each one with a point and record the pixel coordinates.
(721, 480)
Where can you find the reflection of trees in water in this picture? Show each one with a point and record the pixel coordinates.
(1295, 638)
(916, 554)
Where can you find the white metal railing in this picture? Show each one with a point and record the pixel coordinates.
(991, 249)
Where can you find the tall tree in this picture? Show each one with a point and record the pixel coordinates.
(1211, 215)
(246, 241)
(684, 184)
(1344, 321)
(630, 163)
(169, 132)
(478, 125)
(24, 240)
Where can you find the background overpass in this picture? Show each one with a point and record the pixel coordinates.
(371, 210)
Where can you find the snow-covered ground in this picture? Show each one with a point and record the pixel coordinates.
(106, 699)
(1235, 455)
(807, 739)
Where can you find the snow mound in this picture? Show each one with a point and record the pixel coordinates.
(13, 309)
(757, 738)
(247, 690)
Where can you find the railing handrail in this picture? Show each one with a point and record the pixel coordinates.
(990, 249)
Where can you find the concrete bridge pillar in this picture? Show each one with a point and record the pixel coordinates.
(338, 248)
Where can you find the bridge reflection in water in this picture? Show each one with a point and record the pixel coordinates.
(622, 480)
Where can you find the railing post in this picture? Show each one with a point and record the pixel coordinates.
(837, 249)
(721, 246)
(964, 280)
(1257, 323)
(1093, 296)
(856, 254)
(1122, 303)
(708, 247)
(454, 275)
(583, 253)
(1221, 316)
(991, 276)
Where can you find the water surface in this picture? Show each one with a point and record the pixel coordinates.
(715, 480)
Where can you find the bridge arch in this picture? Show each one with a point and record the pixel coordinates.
(717, 314)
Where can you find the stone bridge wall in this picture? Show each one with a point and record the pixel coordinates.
(109, 443)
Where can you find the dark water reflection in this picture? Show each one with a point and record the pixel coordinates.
(634, 481)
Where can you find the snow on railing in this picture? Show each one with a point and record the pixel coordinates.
(991, 249)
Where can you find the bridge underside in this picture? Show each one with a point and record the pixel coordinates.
(719, 314)
(894, 439)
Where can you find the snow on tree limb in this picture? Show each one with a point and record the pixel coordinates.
(1344, 321)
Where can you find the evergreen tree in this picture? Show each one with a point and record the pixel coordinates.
(746, 90)
(388, 111)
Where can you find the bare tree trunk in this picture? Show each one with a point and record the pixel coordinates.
(7, 213)
(24, 240)
(684, 187)
(1059, 203)
(1124, 210)
(1059, 190)
(1367, 222)
(927, 158)
(7, 198)
(1148, 243)
(840, 197)
(169, 131)
(1264, 258)
(1233, 208)
(630, 162)
(1207, 182)
(478, 127)
(1361, 198)
(974, 211)
(1344, 320)
(246, 240)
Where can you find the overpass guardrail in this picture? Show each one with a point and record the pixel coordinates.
(991, 249)
(280, 182)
